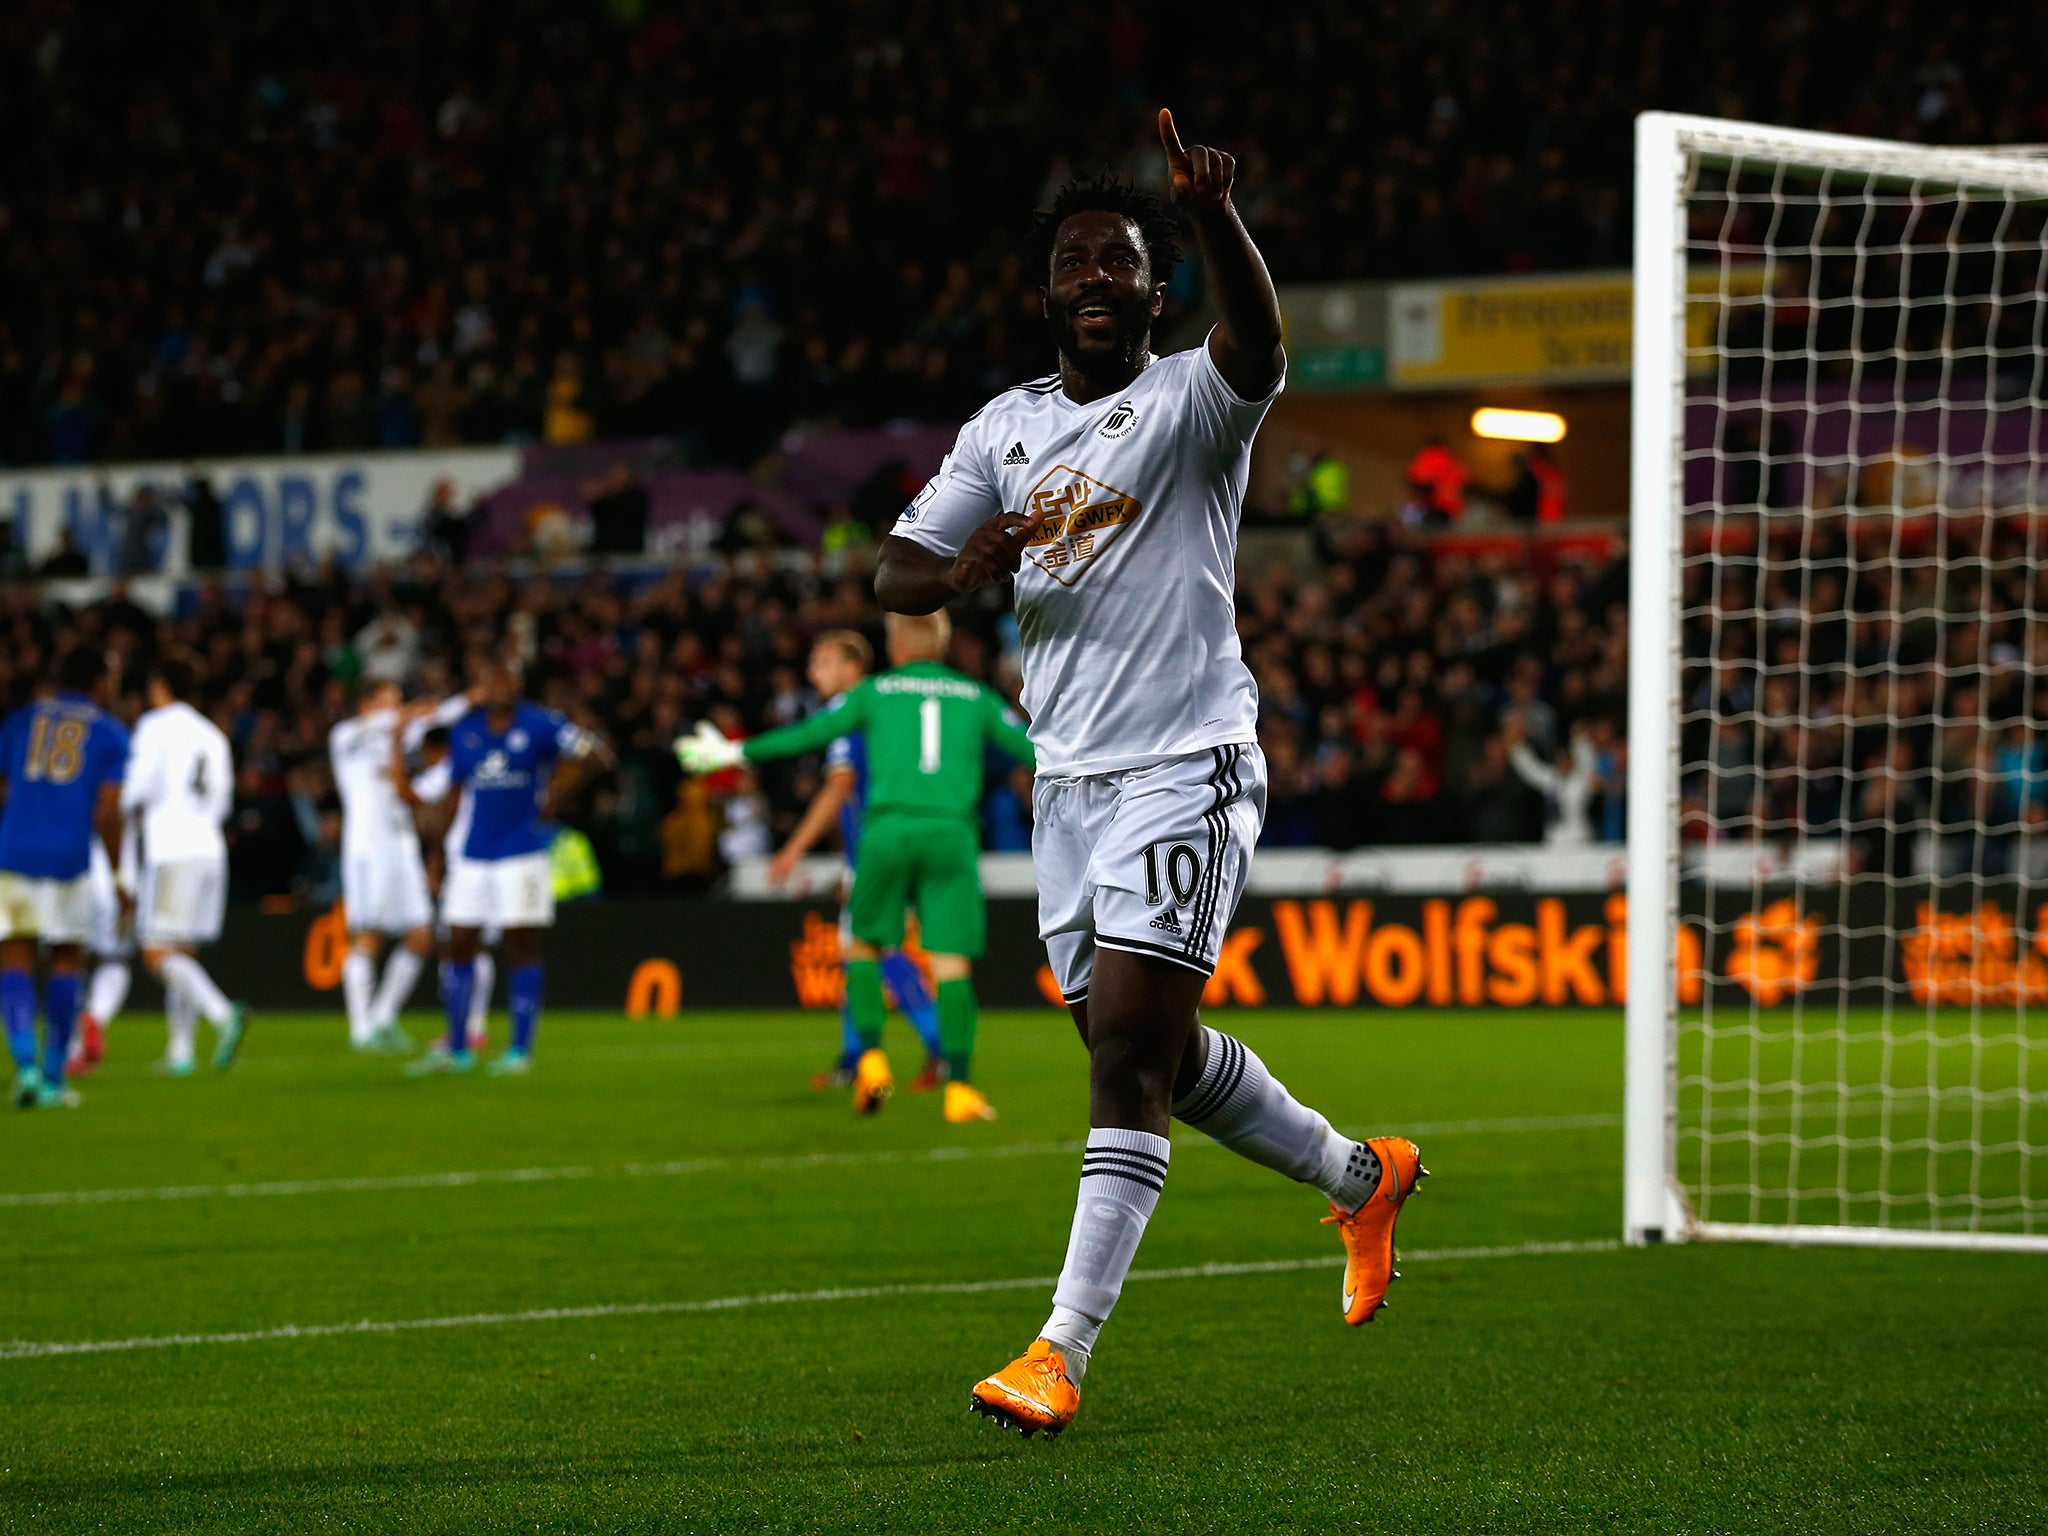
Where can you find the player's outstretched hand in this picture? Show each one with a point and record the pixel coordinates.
(706, 750)
(1201, 176)
(992, 552)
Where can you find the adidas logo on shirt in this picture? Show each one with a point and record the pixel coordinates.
(1168, 921)
(1017, 455)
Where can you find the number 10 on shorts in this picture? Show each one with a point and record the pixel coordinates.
(1183, 870)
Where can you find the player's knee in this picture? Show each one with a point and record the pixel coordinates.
(420, 941)
(1129, 1065)
(951, 967)
(367, 944)
(857, 950)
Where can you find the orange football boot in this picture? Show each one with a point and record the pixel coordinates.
(872, 1082)
(965, 1102)
(1030, 1394)
(1368, 1232)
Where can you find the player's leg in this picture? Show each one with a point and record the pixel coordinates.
(409, 911)
(18, 992)
(486, 983)
(906, 984)
(840, 1074)
(1040, 1390)
(106, 990)
(881, 895)
(402, 971)
(181, 1033)
(1188, 879)
(524, 980)
(359, 984)
(106, 994)
(62, 992)
(185, 903)
(458, 982)
(526, 908)
(954, 923)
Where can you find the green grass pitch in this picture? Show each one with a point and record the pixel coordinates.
(668, 1164)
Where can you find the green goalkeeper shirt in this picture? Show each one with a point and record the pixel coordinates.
(927, 728)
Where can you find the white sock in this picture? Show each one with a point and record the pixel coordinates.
(181, 1027)
(480, 999)
(183, 973)
(1244, 1107)
(1122, 1173)
(107, 993)
(401, 975)
(358, 978)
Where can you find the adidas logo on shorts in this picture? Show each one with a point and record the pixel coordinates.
(1168, 921)
(1017, 455)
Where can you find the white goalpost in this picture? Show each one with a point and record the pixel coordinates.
(1837, 1015)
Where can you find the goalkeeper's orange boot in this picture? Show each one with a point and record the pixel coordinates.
(872, 1082)
(1368, 1232)
(966, 1103)
(1030, 1394)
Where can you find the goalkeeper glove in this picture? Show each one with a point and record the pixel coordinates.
(707, 750)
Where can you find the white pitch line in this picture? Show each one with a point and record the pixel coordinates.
(28, 1349)
(684, 1166)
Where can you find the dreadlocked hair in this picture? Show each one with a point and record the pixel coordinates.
(1110, 194)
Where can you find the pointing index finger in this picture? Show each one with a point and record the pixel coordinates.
(1169, 136)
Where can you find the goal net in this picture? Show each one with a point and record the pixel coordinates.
(1838, 714)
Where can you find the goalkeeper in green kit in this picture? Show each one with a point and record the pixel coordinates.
(927, 730)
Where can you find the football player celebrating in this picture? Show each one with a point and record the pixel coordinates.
(1112, 491)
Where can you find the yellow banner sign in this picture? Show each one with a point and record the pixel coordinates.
(1569, 329)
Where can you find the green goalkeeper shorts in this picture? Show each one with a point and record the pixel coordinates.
(928, 862)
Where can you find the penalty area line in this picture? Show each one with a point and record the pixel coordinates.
(30, 1349)
(681, 1167)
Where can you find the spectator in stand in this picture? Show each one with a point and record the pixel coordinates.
(1537, 493)
(145, 529)
(618, 513)
(206, 533)
(1436, 483)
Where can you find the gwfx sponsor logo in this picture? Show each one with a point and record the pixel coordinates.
(1078, 517)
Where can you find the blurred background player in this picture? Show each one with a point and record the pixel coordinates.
(112, 948)
(180, 787)
(839, 661)
(502, 753)
(383, 875)
(928, 730)
(63, 757)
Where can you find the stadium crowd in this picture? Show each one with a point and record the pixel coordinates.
(281, 228)
(1405, 699)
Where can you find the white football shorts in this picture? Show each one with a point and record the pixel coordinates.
(1150, 860)
(54, 911)
(500, 893)
(386, 891)
(182, 901)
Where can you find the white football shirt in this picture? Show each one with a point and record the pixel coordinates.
(181, 783)
(372, 814)
(1124, 598)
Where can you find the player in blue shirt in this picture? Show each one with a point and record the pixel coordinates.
(62, 759)
(839, 660)
(503, 753)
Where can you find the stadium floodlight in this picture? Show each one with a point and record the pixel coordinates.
(1838, 691)
(1518, 426)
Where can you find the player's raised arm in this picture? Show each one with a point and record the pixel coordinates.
(710, 750)
(1246, 344)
